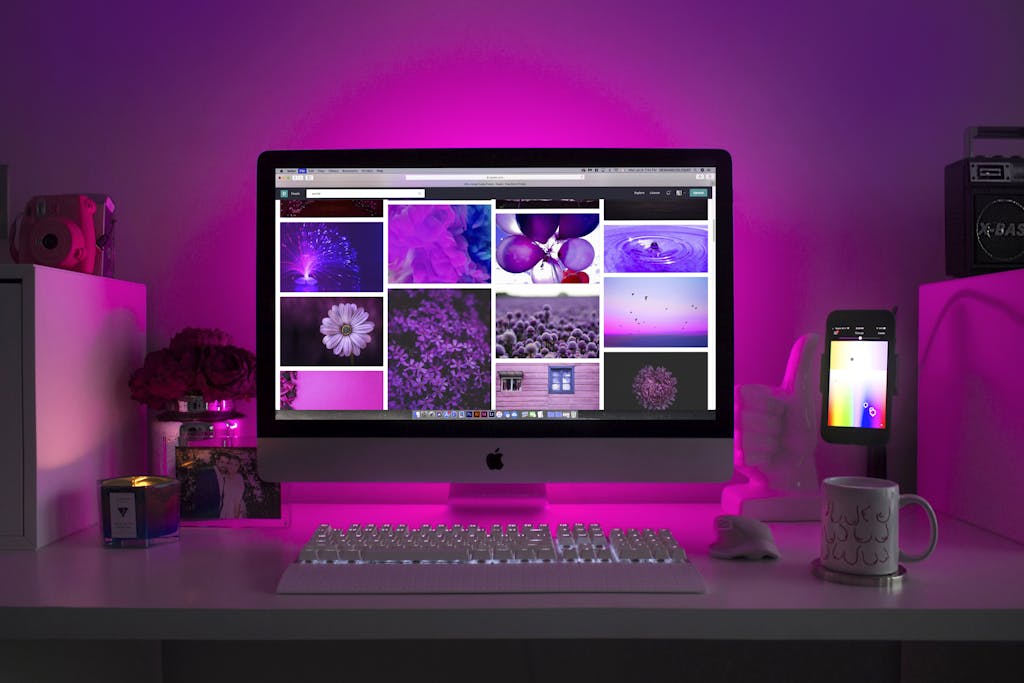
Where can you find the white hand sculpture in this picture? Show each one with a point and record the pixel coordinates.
(777, 427)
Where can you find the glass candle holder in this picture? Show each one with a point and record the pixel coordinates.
(138, 512)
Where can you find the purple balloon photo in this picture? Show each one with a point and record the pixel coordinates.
(538, 226)
(577, 225)
(576, 254)
(517, 254)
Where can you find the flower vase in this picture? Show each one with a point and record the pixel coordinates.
(188, 420)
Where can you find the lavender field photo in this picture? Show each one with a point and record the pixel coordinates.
(439, 349)
(554, 326)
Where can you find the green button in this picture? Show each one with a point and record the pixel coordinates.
(698, 192)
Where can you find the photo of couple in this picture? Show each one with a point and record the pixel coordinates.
(221, 483)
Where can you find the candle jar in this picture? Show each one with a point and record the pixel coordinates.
(139, 511)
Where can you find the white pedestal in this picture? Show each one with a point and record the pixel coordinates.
(68, 342)
(970, 442)
(770, 505)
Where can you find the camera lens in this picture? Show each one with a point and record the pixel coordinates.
(50, 241)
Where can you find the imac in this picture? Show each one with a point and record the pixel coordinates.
(495, 316)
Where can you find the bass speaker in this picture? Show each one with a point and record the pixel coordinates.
(985, 208)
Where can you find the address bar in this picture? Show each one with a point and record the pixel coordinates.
(496, 176)
(368, 193)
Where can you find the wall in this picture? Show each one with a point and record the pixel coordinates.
(839, 117)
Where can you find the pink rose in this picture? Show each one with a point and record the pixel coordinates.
(229, 373)
(164, 376)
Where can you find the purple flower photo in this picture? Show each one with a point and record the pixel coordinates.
(332, 331)
(439, 354)
(555, 326)
(439, 243)
(654, 387)
(656, 382)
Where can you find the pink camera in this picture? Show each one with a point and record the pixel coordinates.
(70, 231)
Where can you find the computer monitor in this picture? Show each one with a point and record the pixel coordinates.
(495, 315)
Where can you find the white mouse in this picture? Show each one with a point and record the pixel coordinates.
(743, 537)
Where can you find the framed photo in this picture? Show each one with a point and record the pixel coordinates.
(220, 486)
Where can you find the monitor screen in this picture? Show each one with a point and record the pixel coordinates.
(505, 315)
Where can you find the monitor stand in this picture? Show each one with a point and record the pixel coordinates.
(478, 496)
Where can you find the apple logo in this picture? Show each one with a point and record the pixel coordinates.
(494, 460)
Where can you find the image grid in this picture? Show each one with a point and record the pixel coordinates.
(470, 289)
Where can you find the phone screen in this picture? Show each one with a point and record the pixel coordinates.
(857, 374)
(859, 357)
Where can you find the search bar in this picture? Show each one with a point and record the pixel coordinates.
(488, 176)
(369, 193)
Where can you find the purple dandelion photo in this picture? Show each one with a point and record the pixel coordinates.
(332, 257)
(656, 382)
(555, 326)
(332, 331)
(439, 243)
(439, 352)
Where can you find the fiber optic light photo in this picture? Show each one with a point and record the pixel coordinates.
(332, 257)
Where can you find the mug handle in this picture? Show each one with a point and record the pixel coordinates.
(909, 499)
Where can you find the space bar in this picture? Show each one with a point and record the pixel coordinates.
(616, 577)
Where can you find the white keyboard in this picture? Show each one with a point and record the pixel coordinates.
(511, 558)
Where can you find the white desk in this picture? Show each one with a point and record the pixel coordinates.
(218, 583)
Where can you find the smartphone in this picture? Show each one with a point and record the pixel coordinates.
(858, 376)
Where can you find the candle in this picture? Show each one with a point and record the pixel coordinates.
(139, 511)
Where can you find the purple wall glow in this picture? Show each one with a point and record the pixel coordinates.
(839, 118)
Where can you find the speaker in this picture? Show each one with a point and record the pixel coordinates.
(985, 208)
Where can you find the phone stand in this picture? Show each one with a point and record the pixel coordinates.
(877, 462)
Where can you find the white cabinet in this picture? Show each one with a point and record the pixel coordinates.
(970, 441)
(68, 342)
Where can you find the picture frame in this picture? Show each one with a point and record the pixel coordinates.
(220, 486)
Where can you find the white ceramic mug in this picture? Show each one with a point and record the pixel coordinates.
(860, 525)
